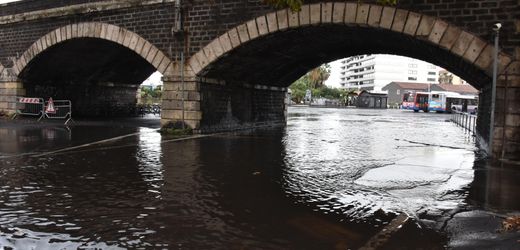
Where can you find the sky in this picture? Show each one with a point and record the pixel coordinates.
(334, 78)
(8, 1)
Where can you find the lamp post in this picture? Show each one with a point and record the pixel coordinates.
(496, 29)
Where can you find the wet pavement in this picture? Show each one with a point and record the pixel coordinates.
(332, 179)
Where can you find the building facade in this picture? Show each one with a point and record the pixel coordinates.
(373, 72)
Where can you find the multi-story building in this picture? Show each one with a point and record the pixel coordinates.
(373, 72)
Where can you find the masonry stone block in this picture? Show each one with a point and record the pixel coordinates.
(282, 17)
(399, 20)
(374, 17)
(272, 22)
(476, 46)
(412, 23)
(513, 120)
(315, 13)
(158, 59)
(387, 17)
(261, 23)
(133, 42)
(294, 18)
(233, 37)
(350, 13)
(164, 65)
(124, 38)
(305, 15)
(462, 43)
(362, 14)
(338, 13)
(326, 12)
(438, 31)
(202, 59)
(450, 36)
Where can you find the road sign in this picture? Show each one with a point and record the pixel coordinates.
(50, 107)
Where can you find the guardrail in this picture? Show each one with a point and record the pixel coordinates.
(62, 110)
(465, 120)
(30, 106)
(34, 106)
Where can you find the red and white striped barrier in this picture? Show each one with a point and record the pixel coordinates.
(29, 100)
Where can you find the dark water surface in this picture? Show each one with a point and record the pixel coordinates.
(331, 179)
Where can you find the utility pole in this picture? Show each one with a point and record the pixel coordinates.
(496, 29)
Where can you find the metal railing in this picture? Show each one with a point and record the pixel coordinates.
(29, 106)
(465, 120)
(63, 110)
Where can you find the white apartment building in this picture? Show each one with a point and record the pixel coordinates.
(373, 72)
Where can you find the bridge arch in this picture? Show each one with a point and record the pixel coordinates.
(102, 31)
(346, 29)
(98, 66)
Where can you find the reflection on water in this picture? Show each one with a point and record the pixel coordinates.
(332, 178)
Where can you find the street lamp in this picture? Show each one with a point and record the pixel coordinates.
(496, 29)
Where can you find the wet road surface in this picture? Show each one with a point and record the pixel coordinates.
(332, 179)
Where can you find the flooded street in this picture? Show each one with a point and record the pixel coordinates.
(332, 179)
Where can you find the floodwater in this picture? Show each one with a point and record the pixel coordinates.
(332, 179)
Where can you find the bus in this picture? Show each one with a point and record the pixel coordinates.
(408, 100)
(439, 101)
(461, 103)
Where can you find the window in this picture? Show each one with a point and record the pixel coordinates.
(431, 66)
(431, 79)
(412, 78)
(412, 65)
(398, 92)
(432, 73)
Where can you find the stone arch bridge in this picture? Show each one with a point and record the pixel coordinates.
(240, 56)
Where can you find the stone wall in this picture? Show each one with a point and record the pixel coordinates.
(228, 107)
(91, 101)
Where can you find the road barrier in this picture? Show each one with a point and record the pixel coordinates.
(465, 120)
(29, 106)
(59, 109)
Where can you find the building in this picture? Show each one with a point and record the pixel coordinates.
(446, 77)
(373, 72)
(372, 100)
(396, 90)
